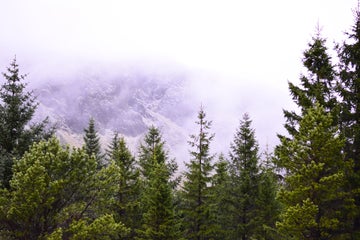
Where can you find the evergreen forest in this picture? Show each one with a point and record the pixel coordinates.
(307, 187)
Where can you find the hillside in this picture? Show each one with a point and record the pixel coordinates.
(126, 103)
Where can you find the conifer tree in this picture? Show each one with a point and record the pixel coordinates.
(156, 172)
(316, 203)
(152, 151)
(58, 193)
(245, 174)
(128, 196)
(268, 203)
(17, 109)
(349, 90)
(92, 142)
(196, 187)
(316, 86)
(159, 220)
(220, 193)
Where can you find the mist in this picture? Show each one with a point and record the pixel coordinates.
(232, 58)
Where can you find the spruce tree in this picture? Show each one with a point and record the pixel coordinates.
(196, 187)
(157, 171)
(349, 90)
(268, 203)
(221, 207)
(316, 86)
(92, 142)
(152, 151)
(245, 175)
(17, 133)
(159, 221)
(316, 203)
(128, 196)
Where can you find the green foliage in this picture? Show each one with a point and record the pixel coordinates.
(54, 190)
(245, 176)
(337, 94)
(17, 108)
(316, 86)
(157, 203)
(316, 204)
(221, 207)
(159, 220)
(151, 151)
(196, 188)
(103, 227)
(92, 142)
(127, 205)
(269, 206)
(348, 89)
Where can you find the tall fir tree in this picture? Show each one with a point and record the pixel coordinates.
(92, 142)
(316, 203)
(220, 199)
(157, 171)
(127, 205)
(245, 174)
(316, 86)
(17, 133)
(152, 151)
(196, 187)
(349, 91)
(159, 221)
(268, 203)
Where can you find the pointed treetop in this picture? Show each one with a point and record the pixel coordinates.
(92, 142)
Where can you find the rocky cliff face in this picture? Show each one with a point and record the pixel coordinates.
(126, 103)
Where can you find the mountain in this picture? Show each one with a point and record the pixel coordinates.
(128, 103)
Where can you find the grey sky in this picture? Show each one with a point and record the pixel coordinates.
(241, 53)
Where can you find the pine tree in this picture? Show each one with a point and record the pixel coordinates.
(157, 172)
(127, 198)
(92, 142)
(220, 194)
(268, 203)
(196, 187)
(152, 151)
(17, 109)
(159, 220)
(317, 86)
(315, 201)
(245, 174)
(58, 192)
(349, 90)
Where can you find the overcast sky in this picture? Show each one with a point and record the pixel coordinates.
(248, 50)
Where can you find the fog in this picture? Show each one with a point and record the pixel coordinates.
(236, 56)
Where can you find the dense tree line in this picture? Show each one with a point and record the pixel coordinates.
(309, 188)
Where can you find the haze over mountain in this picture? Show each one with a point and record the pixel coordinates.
(90, 58)
(127, 102)
(130, 98)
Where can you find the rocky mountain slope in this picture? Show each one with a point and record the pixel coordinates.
(126, 103)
